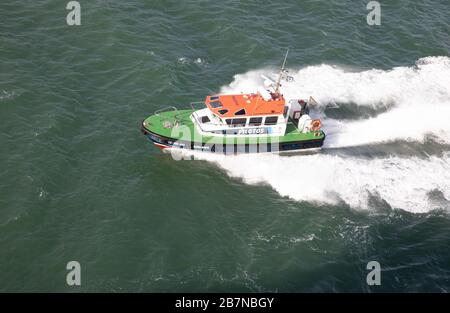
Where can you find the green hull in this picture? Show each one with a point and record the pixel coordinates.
(167, 128)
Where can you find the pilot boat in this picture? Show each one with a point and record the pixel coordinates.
(260, 122)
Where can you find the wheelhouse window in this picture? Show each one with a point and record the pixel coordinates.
(223, 111)
(271, 120)
(236, 122)
(240, 112)
(255, 121)
(213, 98)
(215, 104)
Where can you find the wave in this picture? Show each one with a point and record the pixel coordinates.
(412, 184)
(7, 95)
(416, 104)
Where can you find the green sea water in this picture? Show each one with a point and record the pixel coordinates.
(78, 181)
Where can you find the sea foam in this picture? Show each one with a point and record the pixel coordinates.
(416, 102)
(403, 183)
(417, 99)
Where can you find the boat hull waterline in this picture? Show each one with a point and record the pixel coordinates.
(183, 135)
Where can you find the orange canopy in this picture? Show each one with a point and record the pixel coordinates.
(244, 105)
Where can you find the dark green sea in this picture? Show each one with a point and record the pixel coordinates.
(78, 180)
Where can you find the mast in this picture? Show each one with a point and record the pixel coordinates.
(277, 86)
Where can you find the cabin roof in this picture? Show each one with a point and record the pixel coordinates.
(244, 105)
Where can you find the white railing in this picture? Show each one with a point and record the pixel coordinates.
(172, 108)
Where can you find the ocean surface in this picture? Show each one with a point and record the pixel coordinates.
(78, 180)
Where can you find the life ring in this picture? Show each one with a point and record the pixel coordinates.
(316, 125)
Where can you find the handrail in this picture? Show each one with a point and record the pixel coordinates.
(165, 108)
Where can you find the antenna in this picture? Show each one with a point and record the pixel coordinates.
(277, 86)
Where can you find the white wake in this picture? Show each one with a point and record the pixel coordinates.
(404, 183)
(416, 103)
(417, 98)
